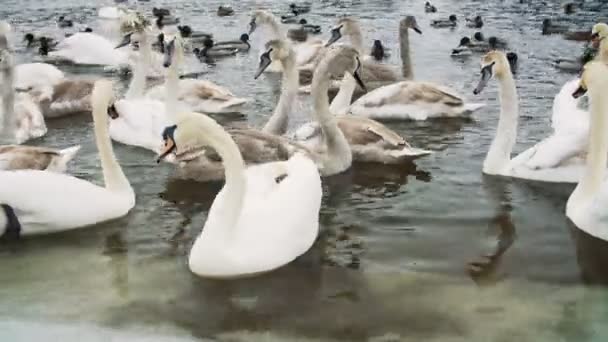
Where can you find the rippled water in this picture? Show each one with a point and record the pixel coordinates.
(415, 230)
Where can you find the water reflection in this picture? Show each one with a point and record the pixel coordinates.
(485, 269)
(592, 256)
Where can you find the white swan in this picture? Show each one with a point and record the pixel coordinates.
(137, 120)
(554, 159)
(19, 157)
(369, 140)
(199, 95)
(264, 217)
(87, 48)
(21, 117)
(586, 205)
(305, 52)
(30, 200)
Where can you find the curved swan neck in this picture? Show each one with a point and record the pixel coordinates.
(234, 166)
(137, 86)
(499, 154)
(8, 97)
(356, 40)
(275, 27)
(598, 146)
(341, 102)
(337, 145)
(114, 178)
(277, 124)
(404, 47)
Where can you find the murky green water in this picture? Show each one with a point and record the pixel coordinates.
(419, 228)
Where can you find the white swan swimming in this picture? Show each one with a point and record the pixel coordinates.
(587, 203)
(21, 117)
(264, 217)
(369, 140)
(199, 95)
(30, 200)
(555, 159)
(89, 49)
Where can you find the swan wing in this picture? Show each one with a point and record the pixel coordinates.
(31, 75)
(47, 202)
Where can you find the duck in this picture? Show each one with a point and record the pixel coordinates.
(476, 22)
(242, 44)
(199, 95)
(62, 22)
(301, 8)
(243, 237)
(23, 157)
(224, 11)
(160, 11)
(569, 8)
(306, 52)
(29, 197)
(369, 140)
(466, 47)
(585, 205)
(428, 8)
(291, 18)
(551, 28)
(32, 41)
(310, 28)
(452, 21)
(186, 32)
(209, 50)
(556, 158)
(379, 52)
(579, 36)
(165, 20)
(411, 100)
(576, 65)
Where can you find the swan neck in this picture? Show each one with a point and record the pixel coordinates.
(138, 83)
(277, 124)
(499, 154)
(603, 50)
(597, 155)
(114, 178)
(342, 100)
(356, 40)
(275, 27)
(8, 98)
(404, 47)
(337, 145)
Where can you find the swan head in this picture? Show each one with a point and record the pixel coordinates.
(184, 139)
(594, 76)
(598, 33)
(493, 63)
(173, 52)
(346, 26)
(409, 22)
(276, 50)
(260, 17)
(341, 60)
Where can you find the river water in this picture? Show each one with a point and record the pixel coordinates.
(403, 271)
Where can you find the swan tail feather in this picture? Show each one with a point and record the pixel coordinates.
(472, 107)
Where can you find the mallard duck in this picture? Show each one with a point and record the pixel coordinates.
(32, 40)
(160, 11)
(452, 21)
(301, 8)
(550, 28)
(186, 31)
(580, 36)
(428, 8)
(291, 18)
(224, 11)
(165, 20)
(310, 28)
(569, 8)
(63, 22)
(242, 44)
(476, 22)
(210, 50)
(378, 51)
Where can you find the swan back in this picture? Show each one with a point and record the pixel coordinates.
(585, 207)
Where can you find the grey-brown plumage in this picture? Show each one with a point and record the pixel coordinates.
(203, 164)
(20, 157)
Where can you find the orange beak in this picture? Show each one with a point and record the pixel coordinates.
(167, 149)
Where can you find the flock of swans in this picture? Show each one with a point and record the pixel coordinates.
(267, 213)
